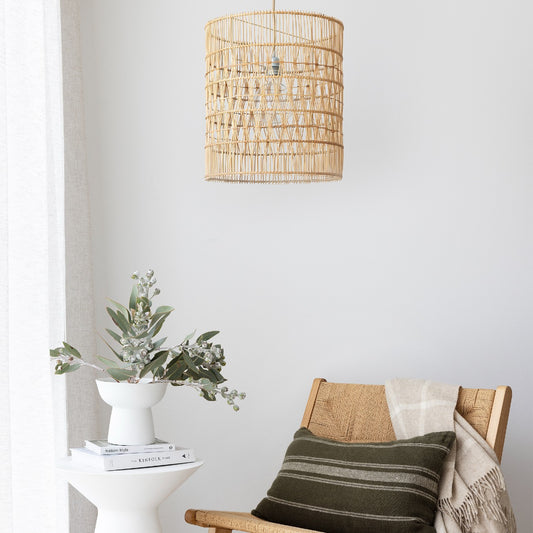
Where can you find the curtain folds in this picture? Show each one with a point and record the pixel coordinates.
(32, 276)
(45, 271)
(82, 397)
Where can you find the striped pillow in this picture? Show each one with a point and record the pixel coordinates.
(339, 487)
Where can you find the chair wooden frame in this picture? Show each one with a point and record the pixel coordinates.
(341, 411)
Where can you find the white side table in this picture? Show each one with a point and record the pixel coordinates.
(127, 500)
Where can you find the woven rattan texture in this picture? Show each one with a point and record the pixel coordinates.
(238, 522)
(359, 413)
(274, 98)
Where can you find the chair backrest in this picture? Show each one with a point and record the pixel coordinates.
(359, 413)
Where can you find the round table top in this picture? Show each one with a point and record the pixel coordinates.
(67, 465)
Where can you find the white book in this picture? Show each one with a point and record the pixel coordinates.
(103, 447)
(124, 461)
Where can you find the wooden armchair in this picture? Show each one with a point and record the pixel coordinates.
(359, 413)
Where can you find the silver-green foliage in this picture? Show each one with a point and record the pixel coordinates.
(196, 364)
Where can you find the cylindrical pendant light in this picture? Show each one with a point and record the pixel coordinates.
(274, 98)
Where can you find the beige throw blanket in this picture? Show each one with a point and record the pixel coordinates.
(472, 493)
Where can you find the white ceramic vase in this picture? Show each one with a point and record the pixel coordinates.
(131, 421)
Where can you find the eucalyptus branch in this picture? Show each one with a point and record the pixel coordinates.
(96, 367)
(209, 388)
(68, 361)
(197, 364)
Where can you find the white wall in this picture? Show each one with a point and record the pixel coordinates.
(419, 263)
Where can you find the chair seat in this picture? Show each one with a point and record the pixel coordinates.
(238, 522)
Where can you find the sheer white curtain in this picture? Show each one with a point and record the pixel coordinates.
(33, 428)
(82, 398)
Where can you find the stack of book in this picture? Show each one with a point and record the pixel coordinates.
(105, 456)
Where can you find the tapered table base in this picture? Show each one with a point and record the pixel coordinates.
(127, 500)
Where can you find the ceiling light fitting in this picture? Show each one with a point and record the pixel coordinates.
(274, 98)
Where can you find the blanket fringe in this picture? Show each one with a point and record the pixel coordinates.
(483, 498)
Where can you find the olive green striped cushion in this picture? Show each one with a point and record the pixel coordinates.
(338, 487)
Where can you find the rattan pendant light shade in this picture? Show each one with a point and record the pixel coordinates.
(274, 98)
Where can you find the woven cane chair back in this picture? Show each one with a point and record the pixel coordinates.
(359, 413)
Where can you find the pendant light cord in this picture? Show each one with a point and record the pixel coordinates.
(274, 21)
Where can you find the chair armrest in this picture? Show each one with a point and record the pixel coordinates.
(238, 522)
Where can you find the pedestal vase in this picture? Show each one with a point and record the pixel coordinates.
(131, 421)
